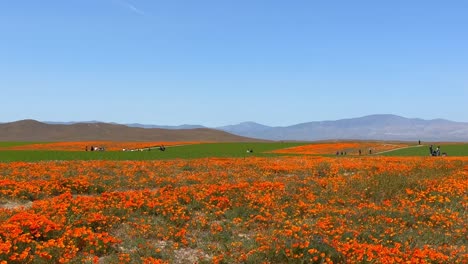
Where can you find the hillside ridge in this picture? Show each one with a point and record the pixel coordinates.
(33, 130)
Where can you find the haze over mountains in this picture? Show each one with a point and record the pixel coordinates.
(373, 127)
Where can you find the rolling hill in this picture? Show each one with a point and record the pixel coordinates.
(32, 130)
(372, 127)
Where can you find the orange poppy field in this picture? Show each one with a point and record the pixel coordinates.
(86, 145)
(278, 209)
(349, 148)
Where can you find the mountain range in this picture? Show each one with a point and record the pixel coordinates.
(372, 127)
(32, 130)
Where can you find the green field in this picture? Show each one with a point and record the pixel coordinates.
(450, 149)
(196, 151)
(183, 152)
(5, 144)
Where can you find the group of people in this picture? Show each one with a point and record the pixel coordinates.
(436, 152)
(139, 149)
(160, 147)
(338, 153)
(95, 148)
(370, 152)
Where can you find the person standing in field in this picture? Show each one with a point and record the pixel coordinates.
(431, 150)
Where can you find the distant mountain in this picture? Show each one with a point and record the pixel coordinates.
(184, 126)
(72, 122)
(375, 127)
(372, 127)
(246, 128)
(32, 130)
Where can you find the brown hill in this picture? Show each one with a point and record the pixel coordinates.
(32, 130)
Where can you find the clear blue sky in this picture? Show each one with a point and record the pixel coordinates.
(222, 62)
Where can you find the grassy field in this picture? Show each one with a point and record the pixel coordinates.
(4, 144)
(204, 150)
(456, 150)
(183, 152)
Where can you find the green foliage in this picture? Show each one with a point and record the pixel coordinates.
(323, 169)
(183, 152)
(460, 149)
(197, 151)
(6, 144)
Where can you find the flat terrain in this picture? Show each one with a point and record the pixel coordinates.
(451, 149)
(37, 151)
(191, 151)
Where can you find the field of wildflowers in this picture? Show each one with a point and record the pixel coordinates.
(299, 209)
(86, 145)
(350, 148)
(173, 150)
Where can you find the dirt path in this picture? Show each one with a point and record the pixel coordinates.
(157, 147)
(12, 205)
(417, 146)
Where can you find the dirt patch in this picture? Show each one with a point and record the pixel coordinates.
(13, 205)
(189, 255)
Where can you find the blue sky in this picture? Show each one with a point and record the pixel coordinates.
(222, 62)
